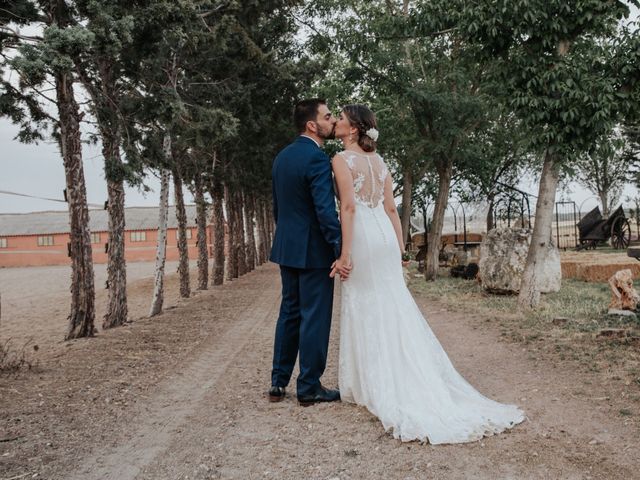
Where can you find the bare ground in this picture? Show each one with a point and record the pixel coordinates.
(36, 300)
(182, 396)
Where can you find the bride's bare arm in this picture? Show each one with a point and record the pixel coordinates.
(392, 211)
(344, 183)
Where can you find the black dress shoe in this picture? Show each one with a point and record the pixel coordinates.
(276, 394)
(320, 395)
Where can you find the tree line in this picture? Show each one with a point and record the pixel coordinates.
(196, 92)
(199, 92)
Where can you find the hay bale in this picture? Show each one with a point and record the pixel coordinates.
(569, 269)
(596, 266)
(601, 273)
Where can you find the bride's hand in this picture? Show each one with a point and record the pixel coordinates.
(342, 266)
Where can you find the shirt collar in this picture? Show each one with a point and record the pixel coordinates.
(313, 140)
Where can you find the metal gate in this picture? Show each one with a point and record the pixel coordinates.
(511, 208)
(565, 227)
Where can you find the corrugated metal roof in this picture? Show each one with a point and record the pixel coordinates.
(40, 223)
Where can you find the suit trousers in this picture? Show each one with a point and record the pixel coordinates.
(303, 326)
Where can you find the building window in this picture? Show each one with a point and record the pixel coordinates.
(45, 241)
(188, 230)
(138, 236)
(95, 238)
(3, 243)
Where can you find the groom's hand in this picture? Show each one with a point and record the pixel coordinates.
(334, 269)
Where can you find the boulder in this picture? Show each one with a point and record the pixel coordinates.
(503, 255)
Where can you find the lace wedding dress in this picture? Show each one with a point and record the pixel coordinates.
(390, 360)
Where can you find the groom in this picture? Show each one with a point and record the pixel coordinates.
(306, 244)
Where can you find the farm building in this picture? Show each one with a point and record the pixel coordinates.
(40, 238)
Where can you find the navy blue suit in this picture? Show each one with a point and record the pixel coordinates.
(307, 241)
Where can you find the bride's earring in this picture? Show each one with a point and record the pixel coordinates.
(350, 137)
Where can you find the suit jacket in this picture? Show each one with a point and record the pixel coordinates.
(307, 229)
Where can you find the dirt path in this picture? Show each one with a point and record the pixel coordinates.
(177, 399)
(207, 417)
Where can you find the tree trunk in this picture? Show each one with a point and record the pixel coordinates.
(407, 187)
(161, 248)
(604, 200)
(217, 224)
(82, 315)
(106, 101)
(268, 221)
(249, 226)
(117, 310)
(490, 224)
(183, 249)
(230, 237)
(203, 254)
(445, 172)
(236, 235)
(262, 232)
(264, 229)
(272, 226)
(529, 296)
(241, 244)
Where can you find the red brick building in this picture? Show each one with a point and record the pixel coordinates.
(40, 238)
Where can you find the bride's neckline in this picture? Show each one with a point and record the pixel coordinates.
(360, 153)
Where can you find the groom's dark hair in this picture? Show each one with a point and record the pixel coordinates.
(305, 111)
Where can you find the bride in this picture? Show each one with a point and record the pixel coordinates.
(390, 360)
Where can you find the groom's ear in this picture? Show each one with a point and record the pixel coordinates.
(312, 126)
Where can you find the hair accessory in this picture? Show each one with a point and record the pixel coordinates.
(372, 133)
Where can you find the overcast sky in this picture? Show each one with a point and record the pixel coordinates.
(37, 170)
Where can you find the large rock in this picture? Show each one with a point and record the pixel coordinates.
(503, 255)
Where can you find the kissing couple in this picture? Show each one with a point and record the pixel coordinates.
(390, 360)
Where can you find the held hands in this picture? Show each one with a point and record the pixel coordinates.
(342, 266)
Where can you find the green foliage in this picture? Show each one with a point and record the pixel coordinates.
(499, 157)
(604, 170)
(559, 67)
(429, 91)
(258, 78)
(35, 59)
(632, 152)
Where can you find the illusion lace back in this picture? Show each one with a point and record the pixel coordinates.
(368, 172)
(390, 360)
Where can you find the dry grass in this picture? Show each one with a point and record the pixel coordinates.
(584, 305)
(13, 358)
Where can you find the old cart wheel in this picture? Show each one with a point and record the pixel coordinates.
(620, 233)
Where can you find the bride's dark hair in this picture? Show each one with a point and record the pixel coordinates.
(361, 117)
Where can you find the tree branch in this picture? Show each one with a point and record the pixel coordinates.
(17, 36)
(214, 10)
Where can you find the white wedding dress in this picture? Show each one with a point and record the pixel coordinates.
(390, 360)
